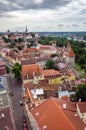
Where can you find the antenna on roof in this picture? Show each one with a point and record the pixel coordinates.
(2, 115)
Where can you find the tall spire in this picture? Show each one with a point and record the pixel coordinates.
(26, 30)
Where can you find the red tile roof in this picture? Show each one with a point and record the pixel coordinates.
(31, 50)
(30, 70)
(82, 107)
(50, 72)
(47, 47)
(53, 116)
(65, 98)
(71, 53)
(6, 122)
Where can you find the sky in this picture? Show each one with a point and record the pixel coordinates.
(43, 15)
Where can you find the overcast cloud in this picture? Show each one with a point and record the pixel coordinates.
(43, 15)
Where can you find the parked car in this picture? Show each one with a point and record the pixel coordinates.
(21, 102)
(24, 119)
(24, 123)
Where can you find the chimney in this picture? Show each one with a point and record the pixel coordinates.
(64, 106)
(2, 115)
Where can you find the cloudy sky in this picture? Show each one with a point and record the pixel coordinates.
(43, 15)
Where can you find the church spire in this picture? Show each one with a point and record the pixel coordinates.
(26, 30)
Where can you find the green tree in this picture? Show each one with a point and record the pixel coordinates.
(49, 64)
(81, 92)
(7, 69)
(6, 39)
(20, 47)
(16, 70)
(53, 55)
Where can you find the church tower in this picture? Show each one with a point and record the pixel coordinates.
(68, 46)
(70, 59)
(26, 30)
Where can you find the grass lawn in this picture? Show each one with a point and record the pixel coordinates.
(78, 68)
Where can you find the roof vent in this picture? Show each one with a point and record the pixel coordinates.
(37, 113)
(79, 99)
(2, 115)
(44, 127)
(64, 106)
(76, 115)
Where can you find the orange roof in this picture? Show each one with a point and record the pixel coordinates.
(70, 53)
(31, 70)
(30, 85)
(6, 123)
(52, 116)
(27, 94)
(82, 107)
(50, 72)
(47, 47)
(65, 98)
(30, 50)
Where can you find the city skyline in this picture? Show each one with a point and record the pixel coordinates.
(43, 15)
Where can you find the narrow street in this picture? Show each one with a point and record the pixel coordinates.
(17, 109)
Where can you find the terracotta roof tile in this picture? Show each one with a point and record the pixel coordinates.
(50, 72)
(7, 120)
(65, 98)
(52, 115)
(30, 50)
(30, 69)
(71, 53)
(82, 107)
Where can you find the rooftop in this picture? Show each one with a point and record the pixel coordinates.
(6, 119)
(57, 114)
(82, 107)
(31, 70)
(71, 53)
(50, 72)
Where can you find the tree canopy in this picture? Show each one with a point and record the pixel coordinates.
(53, 55)
(49, 64)
(79, 47)
(81, 92)
(7, 69)
(16, 70)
